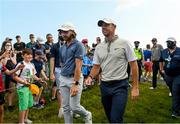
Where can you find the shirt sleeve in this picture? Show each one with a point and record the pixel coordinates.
(96, 59)
(129, 52)
(79, 51)
(4, 68)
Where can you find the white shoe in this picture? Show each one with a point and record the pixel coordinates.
(28, 121)
(75, 115)
(88, 118)
(60, 114)
(151, 88)
(170, 94)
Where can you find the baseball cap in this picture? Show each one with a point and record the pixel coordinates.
(107, 21)
(67, 27)
(38, 52)
(39, 40)
(8, 39)
(84, 41)
(172, 39)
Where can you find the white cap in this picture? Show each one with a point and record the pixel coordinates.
(106, 20)
(39, 40)
(172, 39)
(67, 27)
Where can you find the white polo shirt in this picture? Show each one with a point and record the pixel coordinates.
(114, 59)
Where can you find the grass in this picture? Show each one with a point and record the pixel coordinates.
(153, 106)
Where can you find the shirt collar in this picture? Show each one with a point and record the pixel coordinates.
(114, 38)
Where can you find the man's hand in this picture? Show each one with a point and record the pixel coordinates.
(134, 93)
(88, 81)
(74, 89)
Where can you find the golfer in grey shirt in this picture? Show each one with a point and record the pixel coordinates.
(112, 57)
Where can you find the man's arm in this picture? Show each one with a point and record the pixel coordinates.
(135, 83)
(52, 68)
(44, 74)
(77, 72)
(94, 72)
(161, 65)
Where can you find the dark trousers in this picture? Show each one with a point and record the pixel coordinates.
(174, 86)
(155, 72)
(114, 96)
(139, 63)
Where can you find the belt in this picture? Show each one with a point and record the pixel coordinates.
(71, 75)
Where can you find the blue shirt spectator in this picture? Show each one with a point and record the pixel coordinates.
(87, 65)
(147, 55)
(172, 62)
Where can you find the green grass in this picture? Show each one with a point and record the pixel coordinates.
(153, 106)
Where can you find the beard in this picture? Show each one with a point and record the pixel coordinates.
(68, 38)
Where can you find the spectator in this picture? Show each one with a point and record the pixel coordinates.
(55, 70)
(41, 47)
(138, 52)
(170, 68)
(40, 69)
(86, 67)
(19, 46)
(6, 39)
(98, 40)
(49, 44)
(156, 53)
(9, 62)
(24, 78)
(32, 42)
(4, 70)
(147, 63)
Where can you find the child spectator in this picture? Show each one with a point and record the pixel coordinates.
(40, 68)
(24, 78)
(147, 63)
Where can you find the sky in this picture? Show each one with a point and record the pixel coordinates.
(136, 19)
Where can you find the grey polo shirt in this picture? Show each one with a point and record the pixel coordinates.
(156, 52)
(68, 54)
(114, 60)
